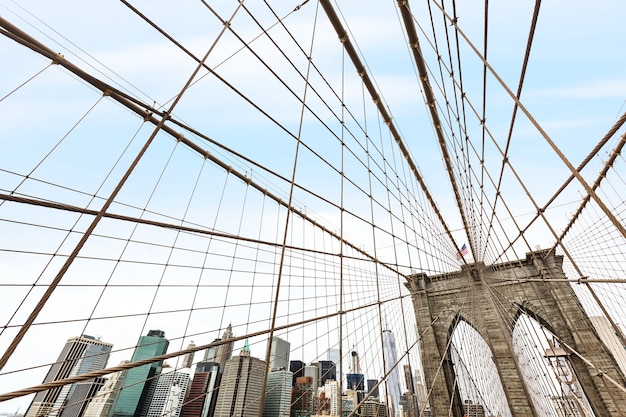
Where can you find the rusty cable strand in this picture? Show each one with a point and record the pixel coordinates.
(376, 98)
(31, 42)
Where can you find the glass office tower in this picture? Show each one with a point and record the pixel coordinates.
(134, 399)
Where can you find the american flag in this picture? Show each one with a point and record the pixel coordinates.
(462, 252)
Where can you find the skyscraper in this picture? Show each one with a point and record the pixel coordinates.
(393, 380)
(100, 406)
(196, 395)
(331, 390)
(329, 372)
(80, 355)
(371, 383)
(355, 382)
(333, 356)
(141, 381)
(355, 379)
(225, 351)
(80, 395)
(210, 355)
(410, 396)
(313, 371)
(188, 359)
(279, 354)
(169, 394)
(304, 390)
(348, 403)
(241, 387)
(373, 408)
(297, 369)
(277, 401)
(355, 365)
(203, 392)
(212, 388)
(408, 379)
(421, 395)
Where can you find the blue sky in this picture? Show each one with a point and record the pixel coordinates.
(575, 88)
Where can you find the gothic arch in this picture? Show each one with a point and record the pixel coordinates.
(438, 301)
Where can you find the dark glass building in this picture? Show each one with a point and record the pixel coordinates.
(297, 368)
(134, 399)
(356, 382)
(371, 383)
(329, 372)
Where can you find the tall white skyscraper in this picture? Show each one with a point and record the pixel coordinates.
(355, 365)
(188, 359)
(393, 380)
(80, 355)
(225, 351)
(101, 405)
(331, 390)
(241, 387)
(420, 389)
(278, 394)
(169, 394)
(279, 354)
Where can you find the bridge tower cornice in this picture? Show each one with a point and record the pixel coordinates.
(441, 301)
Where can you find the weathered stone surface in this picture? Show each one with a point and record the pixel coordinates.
(501, 295)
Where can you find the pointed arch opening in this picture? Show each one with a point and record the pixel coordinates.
(477, 380)
(546, 369)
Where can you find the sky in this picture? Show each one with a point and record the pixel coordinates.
(63, 132)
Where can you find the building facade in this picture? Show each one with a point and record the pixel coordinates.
(372, 388)
(277, 401)
(355, 382)
(169, 394)
(139, 383)
(241, 386)
(188, 358)
(100, 405)
(314, 372)
(200, 401)
(328, 372)
(297, 369)
(331, 391)
(80, 355)
(224, 351)
(279, 354)
(393, 380)
(302, 397)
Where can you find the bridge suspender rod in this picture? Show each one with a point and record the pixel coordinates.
(409, 25)
(25, 39)
(177, 227)
(618, 124)
(531, 36)
(356, 61)
(143, 110)
(608, 165)
(532, 120)
(605, 169)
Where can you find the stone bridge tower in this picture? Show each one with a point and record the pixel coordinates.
(437, 301)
